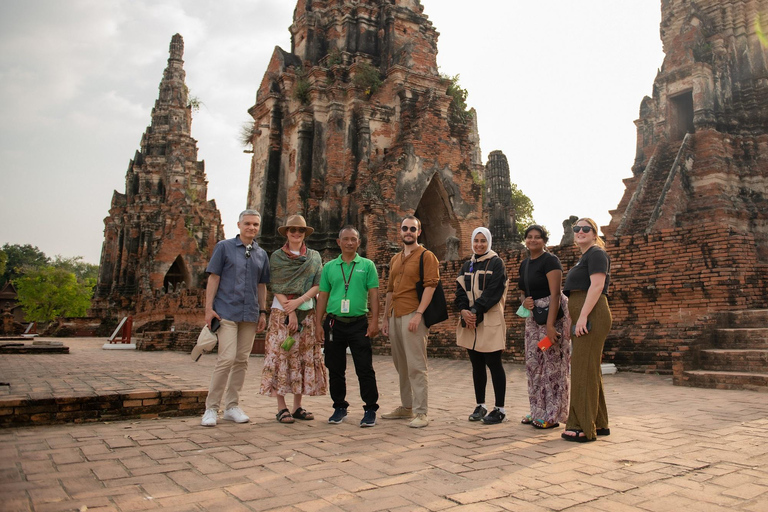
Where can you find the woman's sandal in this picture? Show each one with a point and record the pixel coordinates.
(284, 416)
(303, 414)
(604, 431)
(579, 436)
(544, 424)
(527, 420)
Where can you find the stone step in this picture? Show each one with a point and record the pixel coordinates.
(737, 360)
(755, 381)
(745, 318)
(742, 338)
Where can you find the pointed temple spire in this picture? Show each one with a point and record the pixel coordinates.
(160, 233)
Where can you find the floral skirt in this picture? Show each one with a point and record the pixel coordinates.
(548, 371)
(301, 369)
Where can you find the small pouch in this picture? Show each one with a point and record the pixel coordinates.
(545, 343)
(523, 312)
(288, 343)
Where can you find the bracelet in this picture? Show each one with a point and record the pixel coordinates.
(419, 312)
(262, 311)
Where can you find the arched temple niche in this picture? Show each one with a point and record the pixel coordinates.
(176, 275)
(438, 221)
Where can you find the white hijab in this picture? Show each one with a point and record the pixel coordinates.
(487, 235)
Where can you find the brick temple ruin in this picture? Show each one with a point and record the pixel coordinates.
(354, 125)
(160, 233)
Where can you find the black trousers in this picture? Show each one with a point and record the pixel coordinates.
(498, 376)
(352, 335)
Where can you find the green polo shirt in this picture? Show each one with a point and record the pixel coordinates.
(361, 278)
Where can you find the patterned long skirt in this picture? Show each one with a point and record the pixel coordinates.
(549, 371)
(299, 370)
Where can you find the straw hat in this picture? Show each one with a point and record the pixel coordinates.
(295, 221)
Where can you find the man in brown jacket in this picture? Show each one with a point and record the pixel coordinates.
(404, 325)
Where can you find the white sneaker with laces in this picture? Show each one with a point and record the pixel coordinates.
(236, 414)
(420, 421)
(210, 417)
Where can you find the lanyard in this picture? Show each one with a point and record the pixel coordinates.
(344, 277)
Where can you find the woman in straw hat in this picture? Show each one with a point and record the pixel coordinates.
(293, 362)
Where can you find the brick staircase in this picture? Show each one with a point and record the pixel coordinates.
(739, 357)
(649, 193)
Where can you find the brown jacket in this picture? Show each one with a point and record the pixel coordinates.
(403, 276)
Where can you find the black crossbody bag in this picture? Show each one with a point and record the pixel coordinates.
(437, 311)
(540, 315)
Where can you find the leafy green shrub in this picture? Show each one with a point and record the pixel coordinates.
(368, 79)
(458, 113)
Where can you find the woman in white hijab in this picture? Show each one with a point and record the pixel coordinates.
(480, 295)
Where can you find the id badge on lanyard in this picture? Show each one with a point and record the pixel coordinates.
(345, 300)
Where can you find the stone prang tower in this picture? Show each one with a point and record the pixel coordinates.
(356, 125)
(160, 233)
(501, 215)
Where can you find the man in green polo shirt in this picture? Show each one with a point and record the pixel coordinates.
(348, 286)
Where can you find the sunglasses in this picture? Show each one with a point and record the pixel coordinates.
(248, 249)
(585, 229)
(294, 230)
(412, 229)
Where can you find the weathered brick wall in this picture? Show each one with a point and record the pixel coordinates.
(108, 406)
(180, 341)
(668, 287)
(184, 309)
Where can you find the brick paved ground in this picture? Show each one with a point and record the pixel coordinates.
(671, 448)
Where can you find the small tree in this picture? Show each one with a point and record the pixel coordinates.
(77, 266)
(19, 258)
(523, 207)
(47, 293)
(458, 112)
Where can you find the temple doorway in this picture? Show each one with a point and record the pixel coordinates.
(176, 275)
(680, 115)
(438, 222)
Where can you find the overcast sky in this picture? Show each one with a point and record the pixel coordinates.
(557, 86)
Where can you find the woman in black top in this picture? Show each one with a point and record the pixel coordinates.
(547, 368)
(586, 286)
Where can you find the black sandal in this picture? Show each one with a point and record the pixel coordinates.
(303, 414)
(604, 431)
(578, 438)
(284, 416)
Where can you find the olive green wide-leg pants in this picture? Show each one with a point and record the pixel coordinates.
(587, 411)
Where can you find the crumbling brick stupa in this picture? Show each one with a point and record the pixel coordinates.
(354, 125)
(161, 232)
(689, 239)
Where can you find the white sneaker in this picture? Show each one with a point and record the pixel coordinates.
(210, 417)
(236, 414)
(420, 421)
